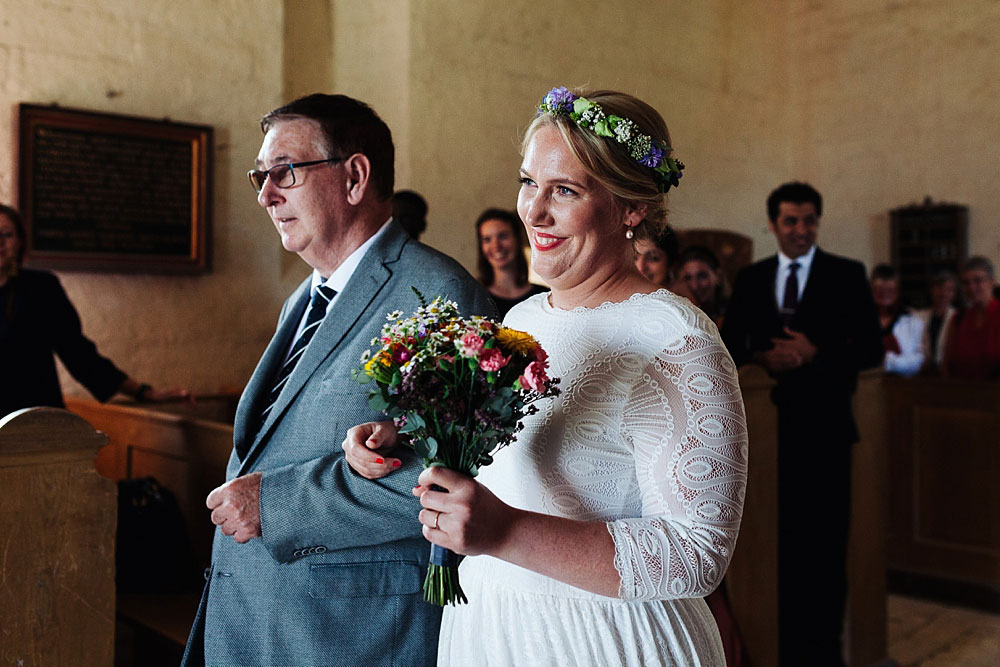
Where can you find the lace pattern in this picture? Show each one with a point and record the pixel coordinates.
(648, 435)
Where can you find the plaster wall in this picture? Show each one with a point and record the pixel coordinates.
(217, 63)
(896, 101)
(478, 69)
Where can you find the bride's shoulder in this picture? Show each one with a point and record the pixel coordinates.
(670, 311)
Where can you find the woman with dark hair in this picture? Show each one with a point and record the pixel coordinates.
(902, 331)
(701, 272)
(503, 270)
(37, 320)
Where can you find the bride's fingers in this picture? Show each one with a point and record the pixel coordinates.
(359, 455)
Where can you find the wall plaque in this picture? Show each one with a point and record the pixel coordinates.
(114, 193)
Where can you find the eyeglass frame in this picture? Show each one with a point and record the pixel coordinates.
(291, 169)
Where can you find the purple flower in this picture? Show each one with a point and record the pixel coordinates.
(559, 99)
(653, 157)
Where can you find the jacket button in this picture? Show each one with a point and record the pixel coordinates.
(297, 553)
(321, 550)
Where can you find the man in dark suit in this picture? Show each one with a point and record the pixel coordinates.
(808, 317)
(313, 564)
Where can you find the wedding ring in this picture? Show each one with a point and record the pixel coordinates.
(437, 516)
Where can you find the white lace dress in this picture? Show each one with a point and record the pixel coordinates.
(649, 435)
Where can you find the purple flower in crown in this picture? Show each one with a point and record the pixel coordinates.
(558, 100)
(653, 157)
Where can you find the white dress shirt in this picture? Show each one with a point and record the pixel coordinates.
(784, 261)
(337, 280)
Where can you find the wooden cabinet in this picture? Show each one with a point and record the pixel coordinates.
(927, 238)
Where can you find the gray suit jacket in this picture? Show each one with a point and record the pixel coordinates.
(336, 577)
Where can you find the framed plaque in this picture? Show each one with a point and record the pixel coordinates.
(104, 192)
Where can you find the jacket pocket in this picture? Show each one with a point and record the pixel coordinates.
(358, 580)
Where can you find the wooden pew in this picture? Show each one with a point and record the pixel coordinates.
(186, 450)
(944, 526)
(752, 579)
(57, 542)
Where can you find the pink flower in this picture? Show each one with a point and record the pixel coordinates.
(401, 354)
(470, 345)
(535, 377)
(493, 360)
(541, 356)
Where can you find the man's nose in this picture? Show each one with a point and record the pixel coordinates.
(269, 194)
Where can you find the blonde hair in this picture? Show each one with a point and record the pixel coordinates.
(608, 162)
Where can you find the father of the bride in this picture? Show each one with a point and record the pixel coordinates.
(313, 564)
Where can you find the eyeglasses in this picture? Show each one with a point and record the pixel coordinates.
(283, 175)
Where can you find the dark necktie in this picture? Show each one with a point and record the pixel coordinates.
(317, 310)
(791, 301)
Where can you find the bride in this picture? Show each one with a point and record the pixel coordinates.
(598, 532)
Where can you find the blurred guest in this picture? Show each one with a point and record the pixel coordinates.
(973, 345)
(503, 270)
(808, 317)
(701, 272)
(656, 257)
(37, 320)
(937, 319)
(409, 209)
(902, 330)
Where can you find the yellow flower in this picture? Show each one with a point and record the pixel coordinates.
(516, 341)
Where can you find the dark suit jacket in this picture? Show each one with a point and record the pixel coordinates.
(836, 313)
(37, 320)
(336, 578)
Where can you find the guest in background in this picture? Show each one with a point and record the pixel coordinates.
(937, 320)
(902, 330)
(503, 270)
(701, 272)
(973, 345)
(656, 257)
(38, 320)
(409, 209)
(808, 317)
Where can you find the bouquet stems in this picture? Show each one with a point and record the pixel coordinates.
(441, 585)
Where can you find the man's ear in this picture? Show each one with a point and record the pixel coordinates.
(357, 171)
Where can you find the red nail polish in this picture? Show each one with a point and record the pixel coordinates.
(379, 461)
(396, 464)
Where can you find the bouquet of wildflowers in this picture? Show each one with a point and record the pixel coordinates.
(457, 388)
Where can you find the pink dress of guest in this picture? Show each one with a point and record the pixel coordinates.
(973, 344)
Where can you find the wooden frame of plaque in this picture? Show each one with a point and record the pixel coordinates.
(113, 193)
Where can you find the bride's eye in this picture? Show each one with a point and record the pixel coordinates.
(563, 190)
(524, 180)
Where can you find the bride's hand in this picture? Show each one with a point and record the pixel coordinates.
(366, 446)
(465, 517)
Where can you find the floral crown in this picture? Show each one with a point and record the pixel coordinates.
(644, 149)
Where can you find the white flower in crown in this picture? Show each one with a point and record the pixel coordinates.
(625, 130)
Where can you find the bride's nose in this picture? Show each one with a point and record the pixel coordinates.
(536, 211)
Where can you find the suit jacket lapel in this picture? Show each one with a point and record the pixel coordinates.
(258, 389)
(361, 290)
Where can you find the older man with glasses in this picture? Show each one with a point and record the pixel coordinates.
(313, 564)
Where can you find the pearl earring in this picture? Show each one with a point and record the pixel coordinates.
(629, 233)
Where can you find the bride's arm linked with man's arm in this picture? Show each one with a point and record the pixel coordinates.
(690, 466)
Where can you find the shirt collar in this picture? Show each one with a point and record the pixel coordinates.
(338, 279)
(805, 262)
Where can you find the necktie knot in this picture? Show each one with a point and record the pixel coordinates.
(794, 267)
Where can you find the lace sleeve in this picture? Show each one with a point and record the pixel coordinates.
(685, 422)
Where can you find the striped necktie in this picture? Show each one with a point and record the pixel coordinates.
(317, 310)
